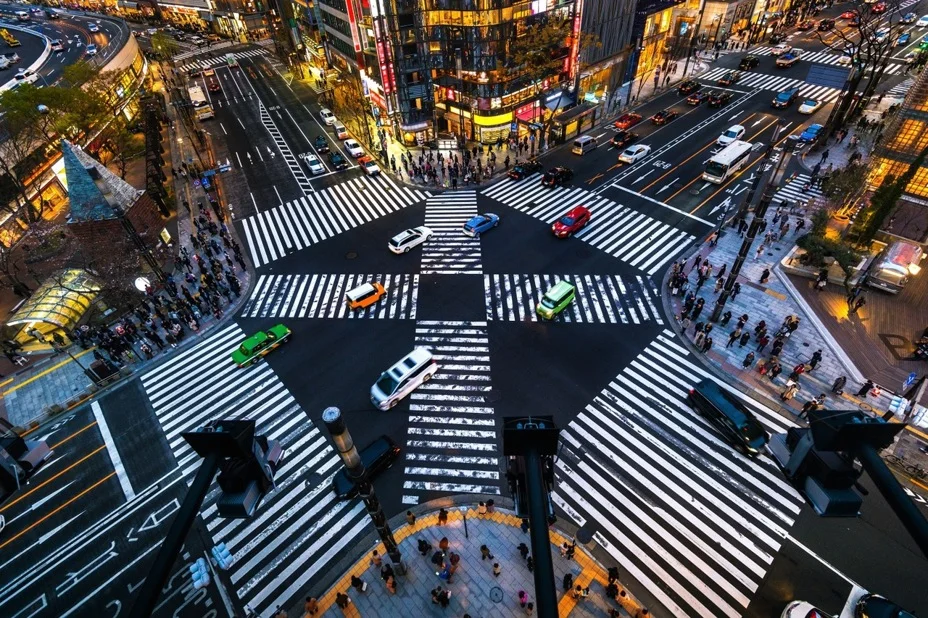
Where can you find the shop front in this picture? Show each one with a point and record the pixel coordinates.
(185, 15)
(573, 122)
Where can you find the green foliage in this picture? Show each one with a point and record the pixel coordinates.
(819, 223)
(817, 248)
(845, 183)
(163, 44)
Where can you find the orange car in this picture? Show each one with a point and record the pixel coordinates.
(364, 295)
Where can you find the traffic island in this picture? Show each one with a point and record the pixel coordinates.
(473, 587)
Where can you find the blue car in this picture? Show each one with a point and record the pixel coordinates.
(480, 223)
(903, 38)
(908, 18)
(811, 133)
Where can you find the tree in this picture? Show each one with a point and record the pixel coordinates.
(844, 184)
(354, 108)
(164, 45)
(119, 145)
(869, 44)
(540, 54)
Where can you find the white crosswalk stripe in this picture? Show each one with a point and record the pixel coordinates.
(777, 83)
(680, 511)
(323, 296)
(600, 299)
(452, 446)
(276, 232)
(449, 251)
(205, 63)
(793, 193)
(900, 90)
(299, 529)
(197, 51)
(826, 57)
(295, 168)
(622, 232)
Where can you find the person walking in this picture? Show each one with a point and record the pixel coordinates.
(523, 599)
(748, 360)
(762, 343)
(866, 388)
(736, 289)
(790, 392)
(707, 345)
(568, 582)
(859, 302)
(410, 518)
(391, 585)
(496, 569)
(485, 553)
(523, 550)
(806, 408)
(765, 275)
(815, 360)
(376, 559)
(311, 606)
(442, 517)
(745, 337)
(726, 317)
(524, 525)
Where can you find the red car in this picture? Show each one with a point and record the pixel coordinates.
(573, 221)
(848, 14)
(627, 121)
(878, 8)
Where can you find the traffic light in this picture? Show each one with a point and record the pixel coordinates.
(199, 571)
(223, 557)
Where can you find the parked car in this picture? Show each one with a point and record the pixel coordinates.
(811, 133)
(321, 144)
(337, 161)
(369, 165)
(314, 164)
(340, 131)
(327, 116)
(354, 148)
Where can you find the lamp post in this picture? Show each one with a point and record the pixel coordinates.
(695, 39)
(759, 214)
(335, 423)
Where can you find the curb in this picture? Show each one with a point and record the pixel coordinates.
(426, 518)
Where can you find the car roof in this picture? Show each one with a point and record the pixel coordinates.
(561, 288)
(733, 409)
(576, 210)
(416, 358)
(362, 290)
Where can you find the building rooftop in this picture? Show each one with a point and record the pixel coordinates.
(94, 192)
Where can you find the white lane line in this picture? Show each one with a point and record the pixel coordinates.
(113, 452)
(668, 206)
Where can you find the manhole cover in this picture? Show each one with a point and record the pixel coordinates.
(496, 594)
(351, 255)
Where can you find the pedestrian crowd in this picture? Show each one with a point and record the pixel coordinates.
(474, 165)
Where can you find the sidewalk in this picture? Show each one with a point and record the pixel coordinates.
(473, 587)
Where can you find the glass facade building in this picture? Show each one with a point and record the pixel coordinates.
(903, 139)
(435, 68)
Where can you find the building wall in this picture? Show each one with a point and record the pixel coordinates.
(904, 139)
(611, 21)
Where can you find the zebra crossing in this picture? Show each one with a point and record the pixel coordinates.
(299, 529)
(825, 57)
(295, 168)
(689, 518)
(205, 63)
(276, 232)
(624, 233)
(449, 251)
(453, 442)
(792, 191)
(323, 296)
(776, 83)
(600, 299)
(900, 90)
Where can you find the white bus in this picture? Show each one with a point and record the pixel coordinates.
(727, 162)
(201, 106)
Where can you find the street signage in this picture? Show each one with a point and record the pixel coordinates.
(909, 381)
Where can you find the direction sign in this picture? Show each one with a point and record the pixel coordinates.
(909, 381)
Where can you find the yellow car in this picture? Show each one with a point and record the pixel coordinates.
(364, 295)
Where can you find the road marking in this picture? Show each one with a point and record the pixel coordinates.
(44, 483)
(594, 178)
(113, 451)
(667, 206)
(73, 435)
(668, 185)
(822, 560)
(642, 177)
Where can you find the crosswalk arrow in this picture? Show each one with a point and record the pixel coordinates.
(749, 179)
(723, 204)
(642, 177)
(704, 186)
(738, 113)
(758, 122)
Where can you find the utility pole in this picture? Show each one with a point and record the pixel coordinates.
(759, 214)
(335, 423)
(695, 39)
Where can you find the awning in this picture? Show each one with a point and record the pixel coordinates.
(60, 301)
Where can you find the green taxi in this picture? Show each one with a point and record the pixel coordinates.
(252, 349)
(556, 300)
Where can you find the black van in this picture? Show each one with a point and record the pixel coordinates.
(376, 457)
(729, 416)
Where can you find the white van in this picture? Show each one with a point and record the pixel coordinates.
(22, 15)
(891, 270)
(403, 378)
(584, 144)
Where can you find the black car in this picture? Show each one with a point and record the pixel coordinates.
(777, 38)
(663, 117)
(875, 606)
(719, 99)
(729, 415)
(804, 25)
(527, 168)
(338, 161)
(321, 144)
(697, 97)
(748, 62)
(729, 78)
(825, 25)
(556, 177)
(376, 457)
(688, 87)
(623, 139)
